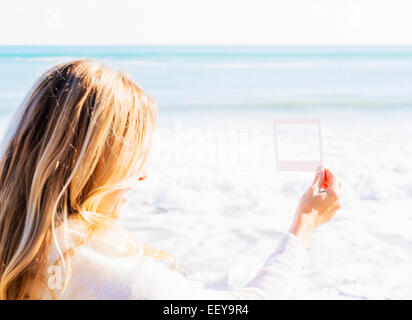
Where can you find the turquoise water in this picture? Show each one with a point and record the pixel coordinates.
(251, 78)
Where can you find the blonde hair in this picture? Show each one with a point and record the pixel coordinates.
(83, 132)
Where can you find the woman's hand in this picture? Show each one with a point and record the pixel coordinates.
(318, 204)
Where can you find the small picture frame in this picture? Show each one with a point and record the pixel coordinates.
(282, 165)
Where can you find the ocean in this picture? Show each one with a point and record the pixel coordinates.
(214, 196)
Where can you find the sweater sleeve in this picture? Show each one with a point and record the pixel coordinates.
(99, 276)
(275, 279)
(279, 274)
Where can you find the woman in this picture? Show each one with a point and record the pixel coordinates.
(79, 141)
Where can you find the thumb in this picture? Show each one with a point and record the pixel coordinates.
(319, 176)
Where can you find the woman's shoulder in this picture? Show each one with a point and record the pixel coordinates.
(102, 267)
(100, 275)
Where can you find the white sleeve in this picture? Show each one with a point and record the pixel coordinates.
(275, 280)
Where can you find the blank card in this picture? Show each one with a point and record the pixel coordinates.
(298, 144)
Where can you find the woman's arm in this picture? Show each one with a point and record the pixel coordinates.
(317, 206)
(276, 278)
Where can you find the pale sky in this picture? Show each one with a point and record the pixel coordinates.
(206, 22)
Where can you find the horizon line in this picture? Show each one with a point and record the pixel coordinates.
(205, 45)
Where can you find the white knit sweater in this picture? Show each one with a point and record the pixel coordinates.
(100, 273)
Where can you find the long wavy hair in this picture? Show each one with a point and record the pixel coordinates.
(83, 132)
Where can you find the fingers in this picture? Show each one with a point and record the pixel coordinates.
(334, 189)
(318, 180)
(325, 184)
(327, 180)
(332, 179)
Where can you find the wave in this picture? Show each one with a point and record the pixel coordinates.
(307, 64)
(209, 52)
(335, 105)
(227, 64)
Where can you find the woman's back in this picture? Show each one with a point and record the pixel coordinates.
(103, 268)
